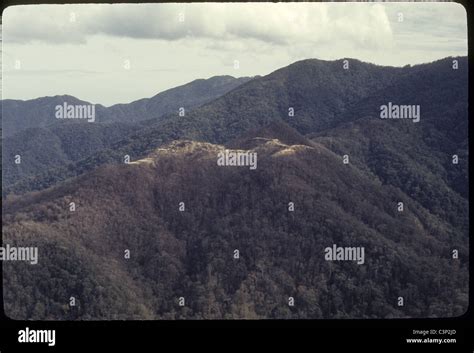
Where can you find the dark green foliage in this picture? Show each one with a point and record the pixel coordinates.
(190, 254)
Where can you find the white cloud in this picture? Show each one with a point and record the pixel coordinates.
(85, 57)
(279, 24)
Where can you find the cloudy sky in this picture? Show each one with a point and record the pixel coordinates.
(119, 53)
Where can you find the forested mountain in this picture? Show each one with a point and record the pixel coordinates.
(31, 130)
(58, 145)
(334, 173)
(318, 91)
(18, 115)
(190, 254)
(322, 93)
(187, 96)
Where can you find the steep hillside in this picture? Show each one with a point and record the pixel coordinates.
(244, 242)
(42, 149)
(415, 157)
(191, 254)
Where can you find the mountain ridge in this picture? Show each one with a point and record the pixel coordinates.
(210, 88)
(45, 143)
(256, 103)
(189, 253)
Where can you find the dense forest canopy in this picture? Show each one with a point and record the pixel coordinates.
(173, 235)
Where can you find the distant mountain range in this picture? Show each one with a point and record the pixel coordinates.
(38, 113)
(321, 146)
(31, 130)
